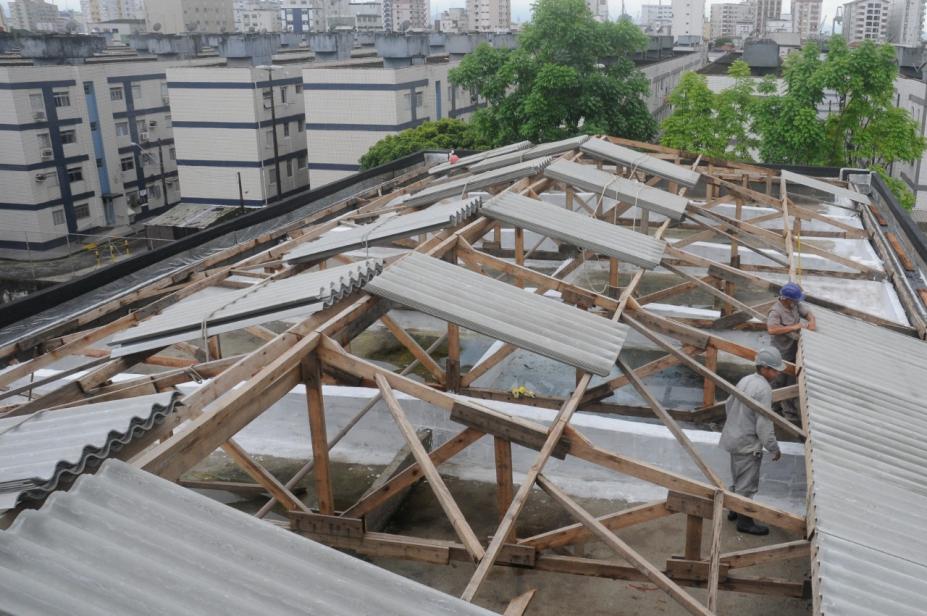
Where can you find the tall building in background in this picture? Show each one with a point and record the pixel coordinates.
(489, 15)
(257, 16)
(179, 16)
(729, 19)
(3, 26)
(906, 22)
(368, 16)
(95, 11)
(598, 8)
(453, 20)
(296, 15)
(765, 10)
(806, 17)
(34, 15)
(866, 20)
(656, 17)
(688, 19)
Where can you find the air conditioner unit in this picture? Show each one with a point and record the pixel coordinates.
(165, 100)
(47, 154)
(40, 177)
(143, 136)
(39, 115)
(152, 123)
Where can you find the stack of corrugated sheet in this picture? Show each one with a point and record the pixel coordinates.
(576, 229)
(502, 311)
(603, 183)
(867, 426)
(299, 295)
(614, 153)
(475, 158)
(41, 452)
(544, 149)
(124, 541)
(386, 229)
(471, 183)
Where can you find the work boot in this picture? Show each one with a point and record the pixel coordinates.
(745, 524)
(731, 516)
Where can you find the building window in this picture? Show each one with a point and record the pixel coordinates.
(75, 174)
(128, 163)
(82, 211)
(36, 102)
(286, 129)
(58, 217)
(269, 143)
(289, 167)
(99, 163)
(68, 136)
(272, 177)
(115, 93)
(44, 140)
(140, 126)
(62, 99)
(301, 162)
(154, 191)
(173, 154)
(268, 97)
(93, 126)
(136, 91)
(282, 94)
(299, 88)
(122, 129)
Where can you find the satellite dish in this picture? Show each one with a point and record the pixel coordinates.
(156, 27)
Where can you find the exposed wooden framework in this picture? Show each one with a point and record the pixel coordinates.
(316, 350)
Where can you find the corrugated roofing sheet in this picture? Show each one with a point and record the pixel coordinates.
(475, 158)
(837, 191)
(611, 152)
(587, 177)
(301, 294)
(470, 183)
(576, 229)
(864, 391)
(502, 311)
(40, 452)
(385, 229)
(544, 149)
(124, 541)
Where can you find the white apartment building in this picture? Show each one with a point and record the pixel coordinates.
(368, 16)
(688, 19)
(866, 20)
(726, 16)
(765, 10)
(83, 146)
(296, 15)
(906, 22)
(236, 125)
(454, 20)
(402, 15)
(655, 17)
(96, 11)
(776, 26)
(489, 15)
(3, 26)
(911, 94)
(806, 17)
(34, 15)
(665, 75)
(598, 8)
(179, 16)
(351, 106)
(257, 16)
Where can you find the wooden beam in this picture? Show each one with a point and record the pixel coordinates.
(693, 546)
(504, 486)
(263, 476)
(417, 351)
(609, 387)
(657, 577)
(519, 605)
(715, 291)
(447, 502)
(312, 379)
(714, 553)
(378, 518)
(577, 533)
(767, 553)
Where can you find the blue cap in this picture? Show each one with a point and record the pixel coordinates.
(792, 291)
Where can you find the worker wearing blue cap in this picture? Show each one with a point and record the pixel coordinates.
(783, 324)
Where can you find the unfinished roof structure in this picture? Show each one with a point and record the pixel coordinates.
(506, 249)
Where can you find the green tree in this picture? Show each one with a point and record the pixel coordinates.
(569, 75)
(721, 42)
(438, 135)
(714, 124)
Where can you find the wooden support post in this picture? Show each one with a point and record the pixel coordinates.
(714, 566)
(577, 533)
(413, 347)
(519, 605)
(693, 549)
(447, 502)
(657, 577)
(312, 378)
(452, 363)
(504, 485)
(214, 348)
(519, 251)
(711, 362)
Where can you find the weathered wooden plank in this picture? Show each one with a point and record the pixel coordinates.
(576, 533)
(714, 552)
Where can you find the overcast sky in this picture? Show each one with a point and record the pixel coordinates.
(521, 9)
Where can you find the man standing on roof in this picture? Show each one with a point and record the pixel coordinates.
(746, 433)
(783, 324)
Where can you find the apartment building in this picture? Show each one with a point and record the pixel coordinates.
(82, 146)
(403, 15)
(906, 22)
(866, 20)
(656, 17)
(454, 20)
(96, 11)
(598, 8)
(34, 15)
(764, 11)
(489, 15)
(296, 15)
(382, 100)
(239, 134)
(665, 75)
(688, 20)
(729, 19)
(257, 16)
(806, 18)
(368, 16)
(179, 16)
(911, 95)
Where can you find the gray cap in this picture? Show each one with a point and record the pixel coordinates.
(770, 357)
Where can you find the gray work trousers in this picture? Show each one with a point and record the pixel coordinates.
(789, 408)
(745, 470)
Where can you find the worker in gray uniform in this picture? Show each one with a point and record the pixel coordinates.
(783, 325)
(746, 433)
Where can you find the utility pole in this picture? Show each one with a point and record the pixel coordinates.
(241, 195)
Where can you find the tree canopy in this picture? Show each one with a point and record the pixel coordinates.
(570, 74)
(437, 135)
